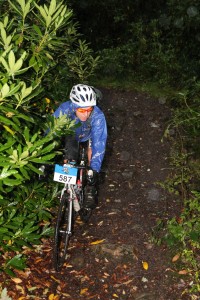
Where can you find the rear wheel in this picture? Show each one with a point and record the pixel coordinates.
(85, 213)
(62, 232)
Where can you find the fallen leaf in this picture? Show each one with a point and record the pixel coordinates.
(115, 295)
(148, 245)
(16, 280)
(83, 291)
(46, 291)
(97, 242)
(114, 277)
(20, 288)
(145, 265)
(176, 257)
(67, 265)
(127, 282)
(100, 223)
(135, 253)
(85, 278)
(123, 283)
(183, 272)
(117, 252)
(169, 269)
(30, 289)
(53, 297)
(79, 221)
(47, 250)
(125, 266)
(38, 260)
(144, 279)
(67, 295)
(55, 279)
(24, 274)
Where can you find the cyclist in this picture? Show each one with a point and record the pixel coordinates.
(92, 128)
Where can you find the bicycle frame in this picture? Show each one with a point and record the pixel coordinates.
(70, 193)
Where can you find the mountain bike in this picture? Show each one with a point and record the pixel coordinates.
(72, 198)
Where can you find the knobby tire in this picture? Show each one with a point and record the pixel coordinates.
(62, 237)
(84, 213)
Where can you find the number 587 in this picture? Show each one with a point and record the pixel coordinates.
(65, 178)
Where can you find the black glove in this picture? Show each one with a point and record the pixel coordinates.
(92, 177)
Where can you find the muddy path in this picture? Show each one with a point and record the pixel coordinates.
(114, 256)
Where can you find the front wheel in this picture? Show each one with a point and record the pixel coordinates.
(63, 231)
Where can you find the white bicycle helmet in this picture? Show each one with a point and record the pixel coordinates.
(83, 95)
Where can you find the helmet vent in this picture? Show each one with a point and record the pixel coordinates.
(82, 98)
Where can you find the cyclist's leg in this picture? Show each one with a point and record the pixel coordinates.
(91, 190)
(89, 151)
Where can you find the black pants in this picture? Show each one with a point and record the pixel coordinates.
(72, 148)
(71, 151)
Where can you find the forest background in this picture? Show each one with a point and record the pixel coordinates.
(149, 46)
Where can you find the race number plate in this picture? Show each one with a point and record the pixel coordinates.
(65, 174)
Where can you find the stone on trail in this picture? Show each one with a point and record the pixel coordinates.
(153, 194)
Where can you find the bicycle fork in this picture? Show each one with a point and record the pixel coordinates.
(68, 231)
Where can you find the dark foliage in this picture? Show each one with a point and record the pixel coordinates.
(150, 30)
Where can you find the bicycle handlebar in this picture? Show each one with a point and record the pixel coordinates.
(76, 166)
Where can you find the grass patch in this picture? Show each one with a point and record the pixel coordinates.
(129, 84)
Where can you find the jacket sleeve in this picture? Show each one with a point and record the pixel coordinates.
(98, 137)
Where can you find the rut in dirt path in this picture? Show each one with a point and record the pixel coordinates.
(136, 160)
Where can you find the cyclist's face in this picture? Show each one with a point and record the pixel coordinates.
(84, 113)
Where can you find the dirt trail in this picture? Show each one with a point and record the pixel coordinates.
(130, 204)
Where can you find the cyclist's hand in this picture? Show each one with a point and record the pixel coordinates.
(92, 177)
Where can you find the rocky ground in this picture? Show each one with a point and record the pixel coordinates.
(114, 256)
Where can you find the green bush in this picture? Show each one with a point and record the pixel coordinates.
(36, 41)
(144, 56)
(184, 234)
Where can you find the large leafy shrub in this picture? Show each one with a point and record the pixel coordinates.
(37, 42)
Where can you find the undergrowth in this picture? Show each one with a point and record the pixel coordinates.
(182, 232)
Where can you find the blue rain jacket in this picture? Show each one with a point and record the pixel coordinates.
(94, 128)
